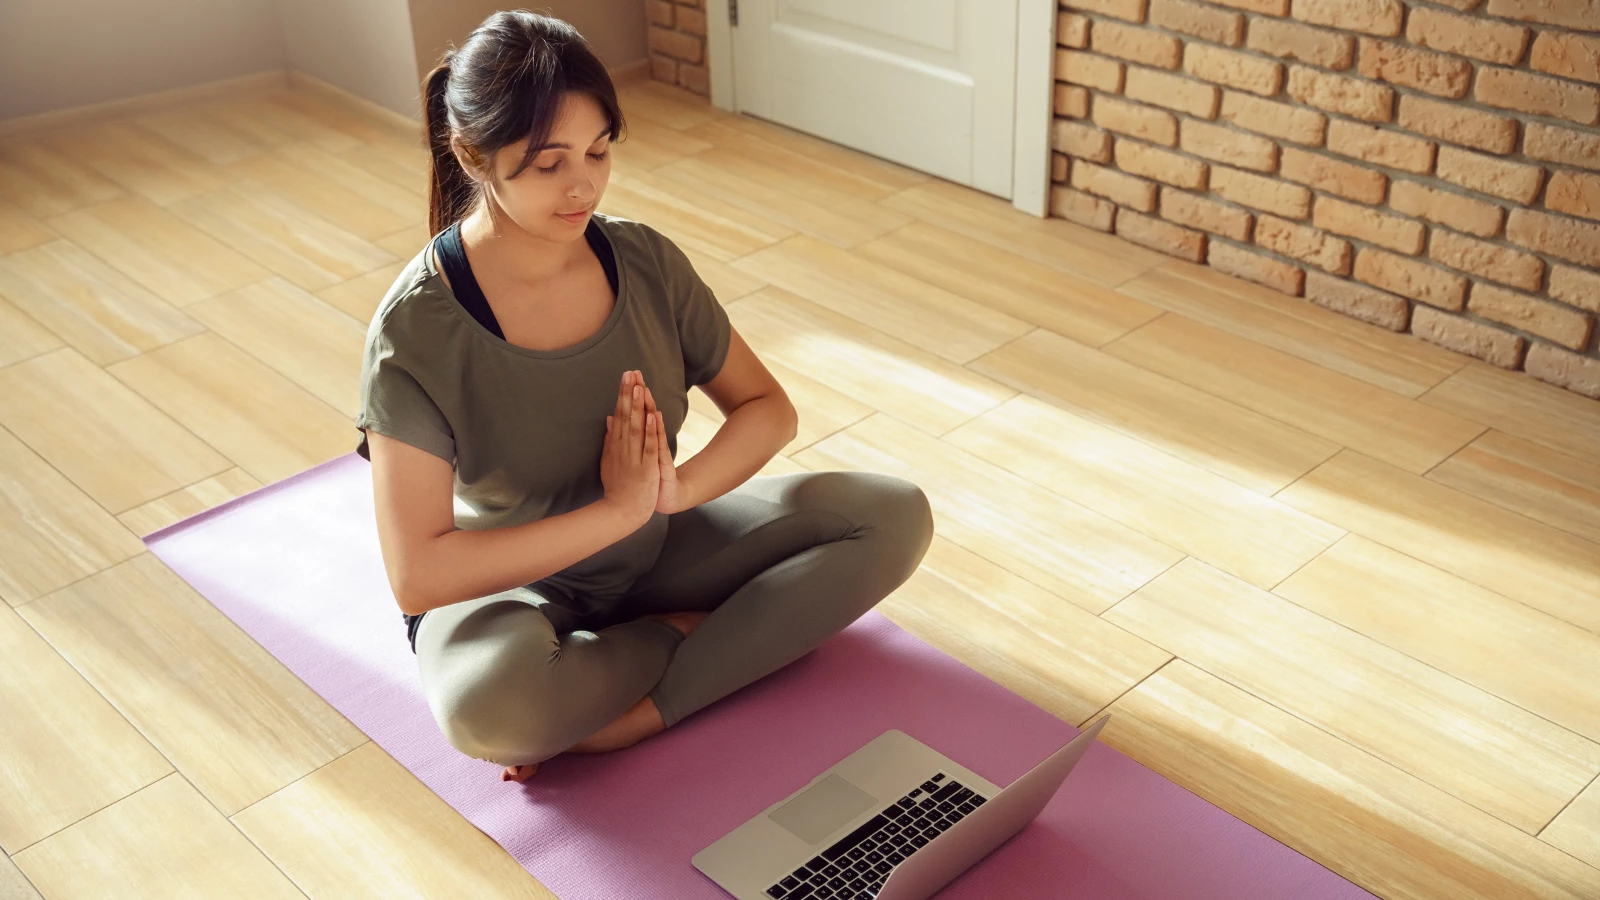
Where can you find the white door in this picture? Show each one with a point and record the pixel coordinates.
(929, 84)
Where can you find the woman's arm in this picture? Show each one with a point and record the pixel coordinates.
(760, 422)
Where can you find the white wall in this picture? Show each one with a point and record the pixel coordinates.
(56, 54)
(363, 46)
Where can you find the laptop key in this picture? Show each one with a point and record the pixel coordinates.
(805, 891)
(776, 891)
(929, 786)
(939, 777)
(831, 871)
(844, 844)
(894, 858)
(920, 841)
(790, 883)
(874, 856)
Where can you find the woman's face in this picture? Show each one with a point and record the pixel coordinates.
(568, 175)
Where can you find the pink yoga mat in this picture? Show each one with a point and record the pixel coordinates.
(297, 566)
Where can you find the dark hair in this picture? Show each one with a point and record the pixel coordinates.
(504, 84)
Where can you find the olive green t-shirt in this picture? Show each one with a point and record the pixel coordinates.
(524, 428)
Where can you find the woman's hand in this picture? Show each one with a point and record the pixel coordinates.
(630, 468)
(668, 497)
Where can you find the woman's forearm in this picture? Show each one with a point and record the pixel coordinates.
(748, 439)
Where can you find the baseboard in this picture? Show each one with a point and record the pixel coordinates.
(632, 73)
(311, 82)
(92, 112)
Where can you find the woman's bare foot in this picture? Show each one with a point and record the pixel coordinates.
(642, 720)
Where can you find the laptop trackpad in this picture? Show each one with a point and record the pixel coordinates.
(823, 807)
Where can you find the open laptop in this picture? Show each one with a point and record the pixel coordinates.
(895, 820)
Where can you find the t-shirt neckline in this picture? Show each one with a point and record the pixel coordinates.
(600, 220)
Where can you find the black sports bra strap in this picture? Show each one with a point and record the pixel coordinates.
(453, 259)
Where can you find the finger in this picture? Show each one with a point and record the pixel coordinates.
(635, 425)
(651, 428)
(662, 450)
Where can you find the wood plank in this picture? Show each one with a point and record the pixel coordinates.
(360, 297)
(1395, 362)
(403, 163)
(1057, 656)
(19, 231)
(141, 161)
(1528, 478)
(1577, 829)
(1525, 560)
(647, 144)
(1072, 551)
(835, 173)
(1054, 242)
(727, 283)
(717, 229)
(44, 183)
(1424, 722)
(98, 310)
(151, 517)
(1361, 817)
(164, 841)
(326, 186)
(13, 884)
(308, 250)
(211, 139)
(863, 363)
(363, 826)
(840, 219)
(880, 297)
(53, 533)
(1008, 283)
(70, 729)
(823, 410)
(161, 252)
(1511, 650)
(406, 243)
(262, 421)
(1522, 406)
(1345, 410)
(871, 169)
(1244, 446)
(113, 444)
(1253, 536)
(315, 345)
(231, 717)
(667, 105)
(21, 336)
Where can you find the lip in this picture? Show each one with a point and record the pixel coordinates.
(573, 217)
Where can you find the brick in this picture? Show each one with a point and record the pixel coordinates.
(1119, 188)
(1258, 192)
(1082, 141)
(692, 21)
(1085, 209)
(1581, 14)
(659, 12)
(1309, 245)
(1567, 55)
(1136, 44)
(1172, 91)
(1436, 73)
(1265, 7)
(1380, 17)
(1198, 20)
(1205, 214)
(1474, 36)
(1462, 5)
(1458, 124)
(663, 68)
(1557, 236)
(1358, 301)
(1368, 224)
(1342, 94)
(1058, 166)
(695, 78)
(1380, 146)
(1234, 69)
(1333, 176)
(1576, 287)
(1269, 117)
(1072, 101)
(1567, 327)
(1574, 193)
(1252, 266)
(1162, 165)
(1510, 89)
(1072, 30)
(1446, 208)
(1226, 145)
(685, 47)
(1164, 237)
(1089, 70)
(1564, 369)
(1562, 145)
(1517, 182)
(1411, 278)
(1486, 342)
(1153, 125)
(1485, 260)
(1291, 40)
(1131, 10)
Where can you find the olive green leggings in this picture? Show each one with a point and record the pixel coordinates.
(781, 563)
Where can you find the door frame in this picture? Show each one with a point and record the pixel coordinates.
(1035, 49)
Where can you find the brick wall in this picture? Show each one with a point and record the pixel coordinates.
(678, 43)
(1427, 167)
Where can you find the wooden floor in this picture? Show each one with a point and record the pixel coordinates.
(1344, 584)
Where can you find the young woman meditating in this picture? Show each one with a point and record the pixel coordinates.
(565, 585)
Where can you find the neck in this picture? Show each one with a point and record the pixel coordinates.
(499, 242)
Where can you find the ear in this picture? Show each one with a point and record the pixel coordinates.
(471, 162)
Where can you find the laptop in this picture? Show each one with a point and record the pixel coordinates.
(895, 820)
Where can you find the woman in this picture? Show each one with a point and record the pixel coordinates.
(567, 587)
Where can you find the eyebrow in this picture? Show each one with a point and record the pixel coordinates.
(569, 146)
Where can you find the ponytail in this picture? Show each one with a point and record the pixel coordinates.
(449, 188)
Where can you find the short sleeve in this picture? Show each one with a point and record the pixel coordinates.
(393, 403)
(703, 327)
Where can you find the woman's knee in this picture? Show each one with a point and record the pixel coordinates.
(897, 512)
(500, 723)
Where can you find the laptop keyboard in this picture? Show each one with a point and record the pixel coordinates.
(857, 865)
